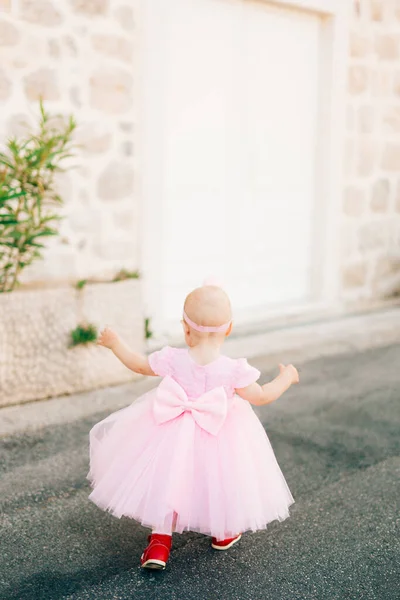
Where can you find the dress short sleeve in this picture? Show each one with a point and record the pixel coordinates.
(244, 374)
(160, 361)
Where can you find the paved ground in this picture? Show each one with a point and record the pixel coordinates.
(337, 439)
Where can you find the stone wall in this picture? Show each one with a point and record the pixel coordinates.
(79, 56)
(36, 360)
(370, 235)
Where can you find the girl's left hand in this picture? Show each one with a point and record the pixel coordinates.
(291, 370)
(108, 338)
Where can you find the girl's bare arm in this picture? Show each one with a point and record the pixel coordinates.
(133, 360)
(265, 394)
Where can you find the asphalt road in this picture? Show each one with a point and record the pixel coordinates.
(337, 440)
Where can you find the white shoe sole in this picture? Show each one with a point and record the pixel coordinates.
(154, 564)
(228, 546)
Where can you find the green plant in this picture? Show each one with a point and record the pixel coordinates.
(29, 202)
(81, 284)
(84, 334)
(147, 330)
(124, 274)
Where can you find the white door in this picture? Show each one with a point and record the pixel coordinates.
(231, 141)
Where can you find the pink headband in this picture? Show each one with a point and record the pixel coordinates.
(205, 329)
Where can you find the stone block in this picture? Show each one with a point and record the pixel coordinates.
(124, 16)
(5, 6)
(54, 48)
(93, 141)
(376, 8)
(391, 119)
(90, 7)
(115, 249)
(366, 119)
(113, 46)
(360, 45)
(126, 219)
(116, 181)
(127, 148)
(380, 196)
(386, 266)
(358, 79)
(354, 201)
(5, 86)
(42, 12)
(70, 44)
(126, 126)
(373, 236)
(354, 275)
(42, 84)
(85, 220)
(381, 83)
(9, 34)
(75, 96)
(391, 157)
(366, 157)
(387, 47)
(111, 91)
(17, 125)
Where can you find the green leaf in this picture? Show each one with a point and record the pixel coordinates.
(15, 234)
(5, 220)
(12, 195)
(44, 233)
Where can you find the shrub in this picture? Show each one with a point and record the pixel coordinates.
(125, 274)
(147, 329)
(83, 334)
(81, 284)
(29, 204)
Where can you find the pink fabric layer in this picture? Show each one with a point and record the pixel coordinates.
(208, 411)
(218, 484)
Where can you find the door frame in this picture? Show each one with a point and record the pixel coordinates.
(325, 277)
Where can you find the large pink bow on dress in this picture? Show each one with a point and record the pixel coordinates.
(208, 411)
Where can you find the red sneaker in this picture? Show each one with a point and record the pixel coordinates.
(156, 555)
(225, 544)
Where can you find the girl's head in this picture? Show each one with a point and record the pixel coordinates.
(207, 307)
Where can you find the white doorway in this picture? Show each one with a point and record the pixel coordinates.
(231, 142)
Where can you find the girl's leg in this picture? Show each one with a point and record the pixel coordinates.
(156, 555)
(168, 527)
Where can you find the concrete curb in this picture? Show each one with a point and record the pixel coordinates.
(297, 344)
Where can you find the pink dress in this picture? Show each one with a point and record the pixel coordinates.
(191, 452)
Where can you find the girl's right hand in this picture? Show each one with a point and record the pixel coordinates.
(290, 370)
(108, 338)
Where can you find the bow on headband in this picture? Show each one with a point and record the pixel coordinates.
(209, 411)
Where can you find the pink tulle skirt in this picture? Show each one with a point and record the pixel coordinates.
(177, 474)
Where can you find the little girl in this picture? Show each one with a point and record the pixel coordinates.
(191, 454)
